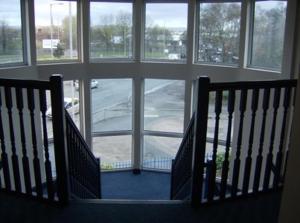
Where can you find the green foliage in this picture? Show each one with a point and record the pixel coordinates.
(113, 36)
(106, 167)
(219, 160)
(10, 39)
(268, 36)
(219, 32)
(157, 39)
(59, 51)
(66, 31)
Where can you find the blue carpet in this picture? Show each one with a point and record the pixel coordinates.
(126, 185)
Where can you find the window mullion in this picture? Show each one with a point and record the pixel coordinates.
(244, 33)
(138, 111)
(289, 39)
(191, 32)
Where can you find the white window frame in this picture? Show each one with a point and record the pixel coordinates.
(138, 69)
(66, 61)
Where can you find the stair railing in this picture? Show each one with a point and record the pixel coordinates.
(34, 146)
(253, 159)
(84, 168)
(181, 172)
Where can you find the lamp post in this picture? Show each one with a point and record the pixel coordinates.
(70, 30)
(51, 24)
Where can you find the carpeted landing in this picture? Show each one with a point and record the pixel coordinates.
(145, 186)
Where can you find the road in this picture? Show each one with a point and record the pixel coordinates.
(112, 111)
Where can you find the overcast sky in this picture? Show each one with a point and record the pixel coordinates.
(168, 15)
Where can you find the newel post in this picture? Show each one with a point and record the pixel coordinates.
(199, 144)
(59, 138)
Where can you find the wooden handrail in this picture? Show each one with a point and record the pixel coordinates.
(246, 85)
(245, 163)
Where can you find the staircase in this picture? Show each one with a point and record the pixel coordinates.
(25, 152)
(259, 114)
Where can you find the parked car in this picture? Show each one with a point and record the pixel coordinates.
(71, 104)
(94, 84)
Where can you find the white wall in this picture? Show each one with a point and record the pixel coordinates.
(291, 195)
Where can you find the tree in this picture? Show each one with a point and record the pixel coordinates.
(157, 39)
(10, 40)
(112, 36)
(268, 36)
(59, 51)
(124, 30)
(66, 31)
(219, 31)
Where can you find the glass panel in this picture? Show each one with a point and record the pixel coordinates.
(166, 31)
(223, 121)
(219, 32)
(164, 105)
(268, 34)
(56, 30)
(112, 104)
(219, 158)
(72, 103)
(11, 44)
(111, 30)
(114, 151)
(159, 151)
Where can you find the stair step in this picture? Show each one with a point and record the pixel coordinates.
(129, 201)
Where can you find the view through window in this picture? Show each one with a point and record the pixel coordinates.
(163, 113)
(219, 32)
(110, 30)
(112, 114)
(166, 31)
(72, 105)
(56, 30)
(268, 34)
(11, 42)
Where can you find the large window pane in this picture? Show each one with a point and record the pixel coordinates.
(223, 117)
(114, 151)
(111, 30)
(164, 105)
(56, 30)
(268, 34)
(166, 31)
(159, 151)
(72, 102)
(11, 44)
(111, 104)
(219, 32)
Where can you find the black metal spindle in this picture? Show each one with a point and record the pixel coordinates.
(259, 158)
(212, 175)
(48, 168)
(25, 160)
(279, 157)
(237, 161)
(248, 163)
(4, 157)
(225, 165)
(269, 162)
(14, 157)
(36, 161)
